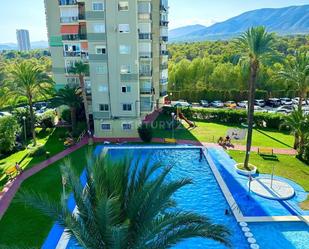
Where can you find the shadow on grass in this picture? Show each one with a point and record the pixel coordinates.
(275, 139)
(162, 130)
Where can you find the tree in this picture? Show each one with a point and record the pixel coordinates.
(8, 131)
(296, 73)
(70, 96)
(256, 45)
(298, 122)
(82, 69)
(26, 79)
(126, 204)
(145, 133)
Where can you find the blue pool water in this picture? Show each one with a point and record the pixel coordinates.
(286, 235)
(203, 197)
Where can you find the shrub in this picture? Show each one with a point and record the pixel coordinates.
(66, 115)
(18, 114)
(39, 151)
(47, 120)
(9, 128)
(145, 133)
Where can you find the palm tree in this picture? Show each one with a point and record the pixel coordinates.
(82, 69)
(70, 96)
(256, 45)
(298, 122)
(296, 73)
(27, 79)
(126, 204)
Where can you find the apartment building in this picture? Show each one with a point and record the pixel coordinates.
(125, 45)
(23, 39)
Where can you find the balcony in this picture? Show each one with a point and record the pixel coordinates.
(74, 37)
(164, 52)
(163, 81)
(164, 23)
(69, 19)
(82, 55)
(146, 91)
(67, 2)
(145, 73)
(163, 66)
(144, 16)
(164, 38)
(145, 36)
(145, 55)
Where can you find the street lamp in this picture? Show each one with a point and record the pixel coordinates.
(25, 132)
(173, 115)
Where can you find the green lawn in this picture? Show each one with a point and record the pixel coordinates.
(286, 166)
(210, 132)
(23, 226)
(49, 138)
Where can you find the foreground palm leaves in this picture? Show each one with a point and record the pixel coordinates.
(126, 204)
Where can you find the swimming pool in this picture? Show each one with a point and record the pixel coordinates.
(203, 197)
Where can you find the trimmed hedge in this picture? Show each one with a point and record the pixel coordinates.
(269, 120)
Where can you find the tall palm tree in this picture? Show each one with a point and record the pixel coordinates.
(70, 96)
(127, 205)
(298, 122)
(27, 79)
(256, 44)
(296, 73)
(81, 69)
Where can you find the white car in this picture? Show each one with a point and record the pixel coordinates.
(259, 102)
(287, 109)
(296, 101)
(217, 104)
(181, 103)
(5, 114)
(243, 104)
(286, 101)
(259, 109)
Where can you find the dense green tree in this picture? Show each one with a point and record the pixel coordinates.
(9, 128)
(70, 96)
(126, 205)
(256, 46)
(26, 79)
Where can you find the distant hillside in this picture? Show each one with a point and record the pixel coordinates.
(284, 21)
(180, 32)
(34, 45)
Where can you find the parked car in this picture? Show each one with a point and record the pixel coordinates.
(217, 104)
(243, 104)
(296, 101)
(273, 102)
(285, 109)
(230, 104)
(286, 101)
(204, 103)
(5, 114)
(181, 103)
(259, 102)
(259, 109)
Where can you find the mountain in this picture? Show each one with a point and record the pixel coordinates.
(284, 21)
(183, 31)
(34, 45)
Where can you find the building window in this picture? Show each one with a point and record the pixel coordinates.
(101, 69)
(100, 49)
(106, 127)
(98, 28)
(103, 88)
(123, 6)
(97, 6)
(127, 126)
(124, 49)
(126, 89)
(127, 107)
(125, 69)
(124, 28)
(104, 107)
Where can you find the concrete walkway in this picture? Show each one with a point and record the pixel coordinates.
(10, 189)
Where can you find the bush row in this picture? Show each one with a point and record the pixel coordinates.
(225, 95)
(269, 120)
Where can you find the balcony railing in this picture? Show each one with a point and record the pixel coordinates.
(74, 37)
(164, 38)
(145, 91)
(83, 55)
(163, 81)
(145, 73)
(69, 19)
(164, 52)
(164, 23)
(67, 2)
(144, 16)
(145, 36)
(145, 55)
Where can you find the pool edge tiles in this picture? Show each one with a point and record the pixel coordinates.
(227, 192)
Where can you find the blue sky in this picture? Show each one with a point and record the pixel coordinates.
(29, 14)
